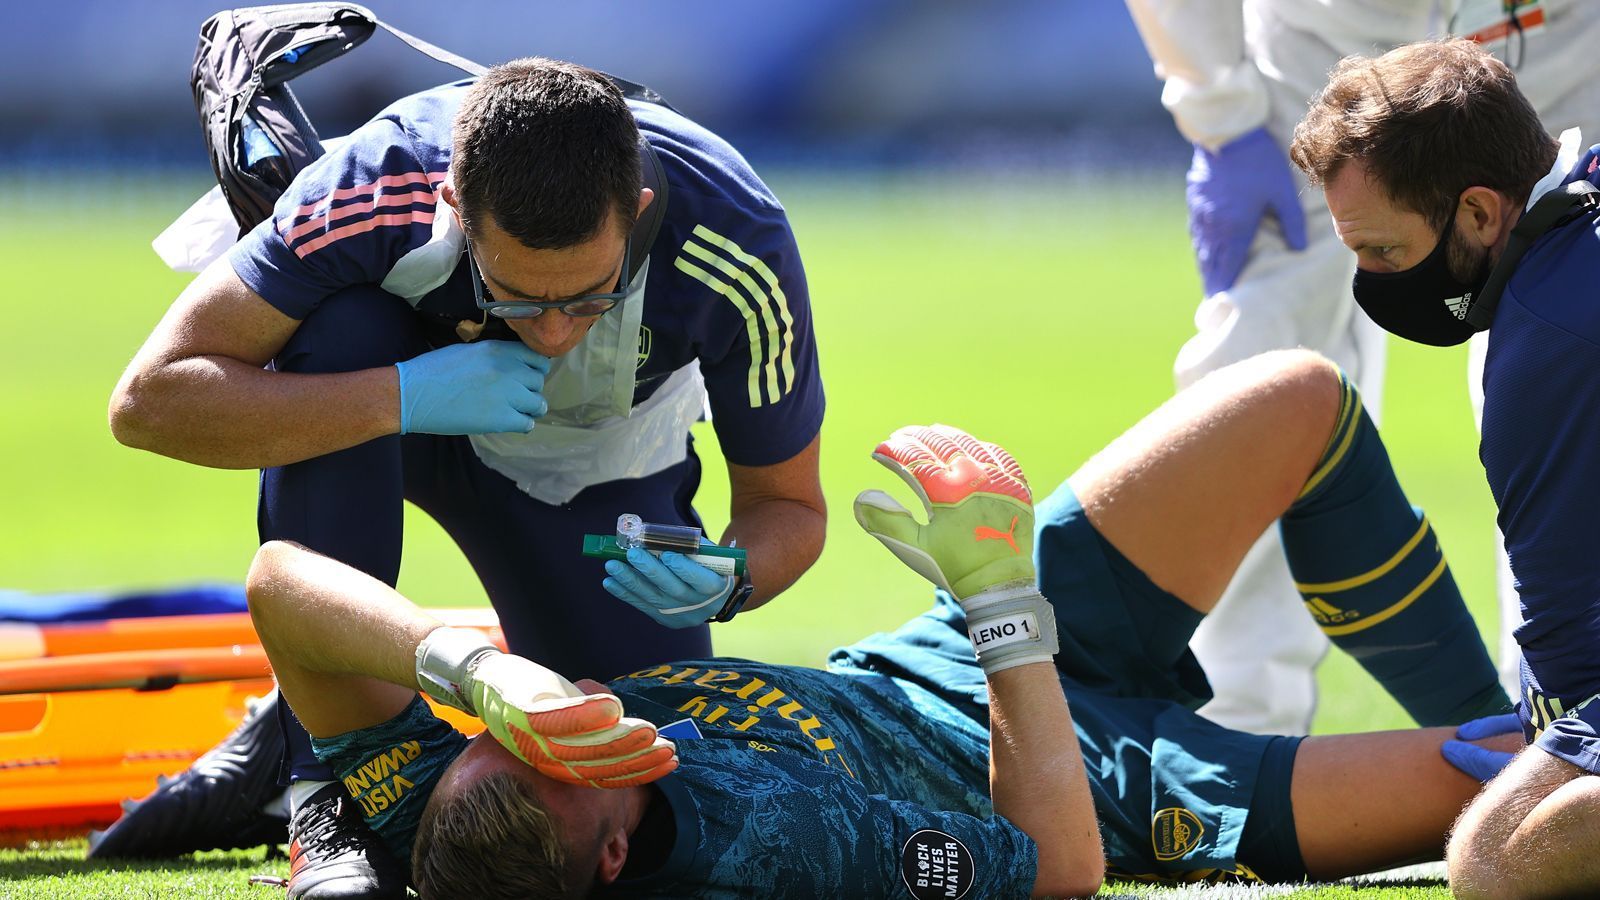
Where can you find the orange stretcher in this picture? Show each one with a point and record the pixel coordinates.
(92, 712)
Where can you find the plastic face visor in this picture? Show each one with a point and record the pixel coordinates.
(586, 307)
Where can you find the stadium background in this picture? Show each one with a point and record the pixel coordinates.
(988, 198)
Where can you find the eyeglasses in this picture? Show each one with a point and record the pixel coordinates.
(586, 307)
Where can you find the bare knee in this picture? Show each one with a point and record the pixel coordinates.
(1298, 393)
(1473, 865)
(1302, 388)
(1480, 862)
(1532, 833)
(1305, 384)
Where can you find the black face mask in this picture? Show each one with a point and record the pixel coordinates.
(1424, 303)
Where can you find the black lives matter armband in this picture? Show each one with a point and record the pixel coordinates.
(936, 866)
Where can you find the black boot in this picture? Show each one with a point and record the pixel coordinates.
(333, 855)
(215, 805)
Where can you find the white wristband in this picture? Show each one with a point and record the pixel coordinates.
(444, 661)
(1010, 627)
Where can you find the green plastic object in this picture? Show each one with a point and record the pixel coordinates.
(722, 560)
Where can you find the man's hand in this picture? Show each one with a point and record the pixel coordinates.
(566, 734)
(484, 388)
(1482, 763)
(979, 533)
(977, 543)
(674, 589)
(543, 719)
(1230, 191)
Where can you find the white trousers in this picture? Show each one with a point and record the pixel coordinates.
(1259, 647)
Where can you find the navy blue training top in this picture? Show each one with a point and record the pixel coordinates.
(725, 287)
(1541, 438)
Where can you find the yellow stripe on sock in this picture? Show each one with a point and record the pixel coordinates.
(1334, 587)
(1389, 613)
(1345, 432)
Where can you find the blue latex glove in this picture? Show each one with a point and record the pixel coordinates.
(674, 590)
(1230, 191)
(483, 388)
(1480, 762)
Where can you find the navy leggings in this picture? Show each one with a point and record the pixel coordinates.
(348, 505)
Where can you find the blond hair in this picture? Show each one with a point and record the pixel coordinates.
(493, 840)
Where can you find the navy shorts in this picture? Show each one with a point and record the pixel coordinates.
(1214, 803)
(1120, 634)
(1564, 726)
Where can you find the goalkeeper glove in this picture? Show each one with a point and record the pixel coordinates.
(542, 718)
(978, 540)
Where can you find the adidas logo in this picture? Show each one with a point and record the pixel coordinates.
(1459, 306)
(1327, 614)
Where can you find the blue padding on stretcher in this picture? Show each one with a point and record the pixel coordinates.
(17, 606)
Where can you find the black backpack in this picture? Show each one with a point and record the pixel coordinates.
(257, 134)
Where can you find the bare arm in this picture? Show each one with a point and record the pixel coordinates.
(1037, 781)
(342, 644)
(1036, 775)
(197, 391)
(344, 648)
(779, 515)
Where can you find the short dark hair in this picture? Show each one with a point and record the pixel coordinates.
(1429, 120)
(545, 148)
(496, 840)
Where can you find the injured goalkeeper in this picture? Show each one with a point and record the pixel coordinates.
(1029, 734)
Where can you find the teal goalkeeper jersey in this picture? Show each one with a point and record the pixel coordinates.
(792, 782)
(806, 783)
(871, 779)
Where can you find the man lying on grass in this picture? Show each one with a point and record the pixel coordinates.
(940, 760)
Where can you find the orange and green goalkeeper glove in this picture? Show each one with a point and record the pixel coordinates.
(542, 718)
(978, 540)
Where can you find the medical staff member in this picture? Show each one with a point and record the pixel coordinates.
(506, 300)
(1465, 214)
(1237, 76)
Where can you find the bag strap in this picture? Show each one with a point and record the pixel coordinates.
(643, 235)
(433, 50)
(1554, 208)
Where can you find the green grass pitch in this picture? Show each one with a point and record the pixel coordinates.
(1041, 314)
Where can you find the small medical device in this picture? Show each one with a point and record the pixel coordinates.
(633, 531)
